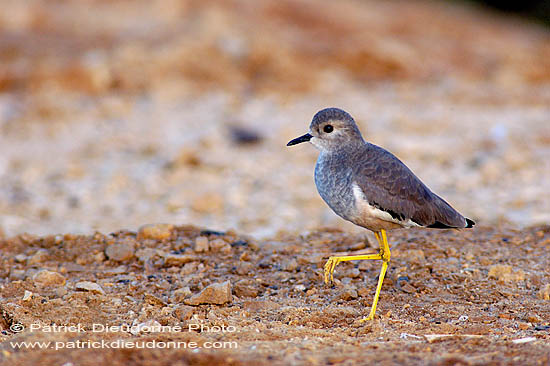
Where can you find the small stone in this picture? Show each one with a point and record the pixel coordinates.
(120, 251)
(90, 287)
(246, 288)
(20, 258)
(115, 271)
(505, 273)
(155, 231)
(299, 288)
(150, 326)
(220, 245)
(351, 273)
(524, 326)
(61, 291)
(17, 274)
(244, 135)
(348, 293)
(245, 268)
(153, 300)
(290, 265)
(544, 292)
(40, 256)
(180, 294)
(184, 312)
(363, 292)
(27, 296)
(258, 305)
(534, 318)
(178, 259)
(48, 278)
(415, 256)
(201, 244)
(99, 257)
(189, 268)
(405, 286)
(143, 255)
(216, 293)
(186, 157)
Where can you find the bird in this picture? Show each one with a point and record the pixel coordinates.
(370, 187)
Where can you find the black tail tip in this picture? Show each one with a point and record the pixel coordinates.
(469, 223)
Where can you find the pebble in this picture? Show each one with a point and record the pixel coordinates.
(27, 296)
(178, 259)
(155, 231)
(244, 268)
(180, 294)
(153, 300)
(145, 254)
(351, 273)
(290, 265)
(506, 273)
(363, 292)
(99, 257)
(145, 327)
(415, 256)
(189, 268)
(404, 285)
(246, 288)
(20, 258)
(258, 305)
(48, 278)
(534, 318)
(40, 256)
(348, 293)
(201, 244)
(244, 135)
(544, 292)
(184, 312)
(186, 157)
(220, 245)
(61, 291)
(120, 251)
(90, 287)
(216, 293)
(17, 274)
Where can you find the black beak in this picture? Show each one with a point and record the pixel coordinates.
(299, 140)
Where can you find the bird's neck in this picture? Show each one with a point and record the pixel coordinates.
(345, 150)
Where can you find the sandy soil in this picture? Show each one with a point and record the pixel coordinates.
(472, 297)
(114, 114)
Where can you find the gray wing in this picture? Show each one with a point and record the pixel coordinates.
(392, 187)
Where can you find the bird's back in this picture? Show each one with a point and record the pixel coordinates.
(389, 185)
(365, 183)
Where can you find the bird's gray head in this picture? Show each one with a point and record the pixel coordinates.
(330, 129)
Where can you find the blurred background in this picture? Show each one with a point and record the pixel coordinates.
(117, 113)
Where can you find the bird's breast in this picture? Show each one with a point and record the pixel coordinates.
(334, 183)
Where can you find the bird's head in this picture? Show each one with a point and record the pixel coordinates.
(330, 129)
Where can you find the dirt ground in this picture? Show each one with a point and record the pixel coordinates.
(472, 297)
(114, 114)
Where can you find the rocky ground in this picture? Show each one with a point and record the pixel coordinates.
(116, 114)
(473, 297)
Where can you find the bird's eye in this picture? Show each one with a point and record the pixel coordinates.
(328, 128)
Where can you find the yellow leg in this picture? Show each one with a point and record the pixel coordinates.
(333, 261)
(384, 255)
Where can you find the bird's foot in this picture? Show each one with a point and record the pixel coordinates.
(367, 318)
(329, 268)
